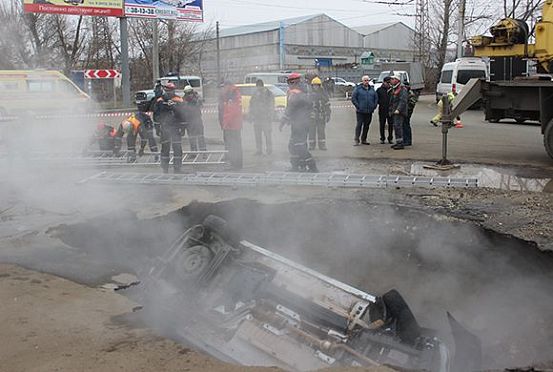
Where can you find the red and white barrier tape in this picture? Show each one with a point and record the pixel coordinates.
(120, 114)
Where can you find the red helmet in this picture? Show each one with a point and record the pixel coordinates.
(294, 76)
(170, 86)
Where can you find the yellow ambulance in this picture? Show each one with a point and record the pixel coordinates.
(39, 92)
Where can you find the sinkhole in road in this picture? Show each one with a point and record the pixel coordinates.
(497, 286)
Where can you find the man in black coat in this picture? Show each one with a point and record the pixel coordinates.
(384, 110)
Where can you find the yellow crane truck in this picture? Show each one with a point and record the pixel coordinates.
(528, 98)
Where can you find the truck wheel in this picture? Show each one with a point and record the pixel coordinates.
(216, 224)
(548, 139)
(193, 261)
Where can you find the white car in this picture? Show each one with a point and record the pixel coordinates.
(338, 81)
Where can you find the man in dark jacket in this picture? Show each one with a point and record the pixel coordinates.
(365, 100)
(384, 110)
(194, 123)
(168, 112)
(262, 107)
(298, 115)
(398, 109)
(412, 102)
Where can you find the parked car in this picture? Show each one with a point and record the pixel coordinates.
(247, 91)
(338, 81)
(146, 95)
(278, 79)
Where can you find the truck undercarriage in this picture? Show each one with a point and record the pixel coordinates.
(247, 305)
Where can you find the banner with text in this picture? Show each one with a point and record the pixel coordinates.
(103, 8)
(182, 10)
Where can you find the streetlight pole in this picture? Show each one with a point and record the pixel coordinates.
(155, 50)
(125, 70)
(461, 28)
(218, 53)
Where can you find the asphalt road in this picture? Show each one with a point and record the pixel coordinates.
(506, 143)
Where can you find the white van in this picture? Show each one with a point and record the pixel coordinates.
(455, 75)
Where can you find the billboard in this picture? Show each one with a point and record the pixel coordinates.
(104, 8)
(182, 10)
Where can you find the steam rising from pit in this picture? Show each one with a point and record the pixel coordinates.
(495, 286)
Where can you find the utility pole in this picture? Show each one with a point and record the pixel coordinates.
(155, 50)
(218, 53)
(281, 49)
(125, 70)
(421, 44)
(461, 28)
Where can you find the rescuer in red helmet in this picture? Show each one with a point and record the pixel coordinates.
(298, 115)
(104, 136)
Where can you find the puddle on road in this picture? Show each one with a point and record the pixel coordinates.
(494, 177)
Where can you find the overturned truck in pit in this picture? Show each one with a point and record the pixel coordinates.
(246, 305)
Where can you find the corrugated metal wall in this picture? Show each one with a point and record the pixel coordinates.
(396, 37)
(323, 31)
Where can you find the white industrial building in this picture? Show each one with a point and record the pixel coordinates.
(298, 44)
(391, 41)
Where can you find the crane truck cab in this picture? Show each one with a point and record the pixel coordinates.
(455, 75)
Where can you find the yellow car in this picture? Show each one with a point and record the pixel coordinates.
(247, 90)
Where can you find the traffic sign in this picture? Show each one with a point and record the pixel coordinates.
(101, 74)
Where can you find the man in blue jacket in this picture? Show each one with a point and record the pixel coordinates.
(365, 100)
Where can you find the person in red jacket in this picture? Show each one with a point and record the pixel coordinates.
(230, 119)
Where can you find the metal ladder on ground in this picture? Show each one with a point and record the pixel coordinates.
(107, 159)
(280, 179)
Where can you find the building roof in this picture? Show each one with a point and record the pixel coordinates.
(265, 26)
(371, 29)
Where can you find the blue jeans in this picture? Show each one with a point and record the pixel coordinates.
(362, 127)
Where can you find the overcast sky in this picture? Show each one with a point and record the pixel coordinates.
(352, 13)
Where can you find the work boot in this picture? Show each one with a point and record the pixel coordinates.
(390, 140)
(313, 169)
(398, 146)
(322, 146)
(356, 142)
